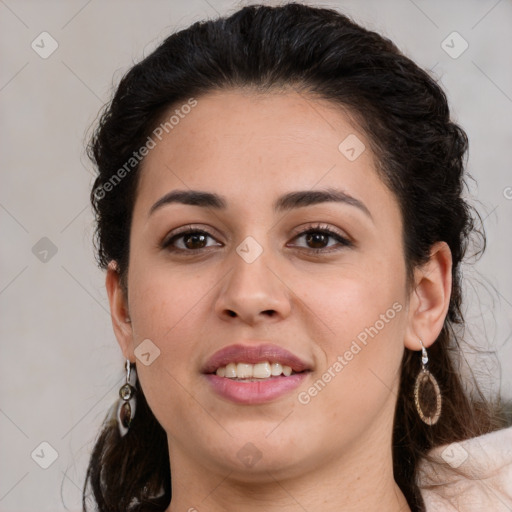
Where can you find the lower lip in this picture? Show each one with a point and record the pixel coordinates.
(255, 392)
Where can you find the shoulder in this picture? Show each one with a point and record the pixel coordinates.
(469, 476)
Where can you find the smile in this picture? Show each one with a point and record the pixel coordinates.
(247, 371)
(254, 374)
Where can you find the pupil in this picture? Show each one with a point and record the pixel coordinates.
(194, 238)
(316, 238)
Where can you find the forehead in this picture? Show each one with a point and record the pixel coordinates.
(253, 147)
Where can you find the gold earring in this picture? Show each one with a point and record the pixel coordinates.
(422, 394)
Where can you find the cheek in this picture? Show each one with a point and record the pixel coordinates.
(351, 300)
(163, 300)
(365, 320)
(165, 308)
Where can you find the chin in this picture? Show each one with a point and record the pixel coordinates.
(255, 458)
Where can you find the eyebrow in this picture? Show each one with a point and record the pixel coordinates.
(286, 202)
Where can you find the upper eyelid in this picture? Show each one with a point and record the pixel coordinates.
(332, 232)
(346, 240)
(189, 228)
(320, 227)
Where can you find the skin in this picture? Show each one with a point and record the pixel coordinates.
(333, 453)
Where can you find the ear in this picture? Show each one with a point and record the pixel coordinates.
(430, 298)
(119, 311)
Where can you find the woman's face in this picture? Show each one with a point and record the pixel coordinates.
(250, 281)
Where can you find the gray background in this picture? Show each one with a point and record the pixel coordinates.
(61, 366)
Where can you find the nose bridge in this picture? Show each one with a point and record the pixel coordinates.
(252, 288)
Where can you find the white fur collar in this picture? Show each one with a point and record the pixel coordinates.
(474, 475)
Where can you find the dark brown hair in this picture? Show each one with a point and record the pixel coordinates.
(420, 153)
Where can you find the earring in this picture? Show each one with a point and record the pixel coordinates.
(422, 393)
(126, 407)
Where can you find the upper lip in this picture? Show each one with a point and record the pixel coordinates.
(254, 354)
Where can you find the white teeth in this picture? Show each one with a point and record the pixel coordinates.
(230, 371)
(276, 369)
(261, 370)
(253, 371)
(244, 370)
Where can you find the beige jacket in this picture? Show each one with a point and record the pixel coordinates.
(470, 476)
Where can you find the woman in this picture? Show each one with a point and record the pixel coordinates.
(279, 211)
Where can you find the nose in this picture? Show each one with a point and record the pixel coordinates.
(253, 292)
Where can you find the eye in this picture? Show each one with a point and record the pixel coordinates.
(188, 240)
(317, 239)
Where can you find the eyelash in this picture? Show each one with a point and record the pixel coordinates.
(319, 228)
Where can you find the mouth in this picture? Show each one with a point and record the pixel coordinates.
(254, 374)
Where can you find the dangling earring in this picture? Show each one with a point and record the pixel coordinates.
(126, 407)
(426, 380)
